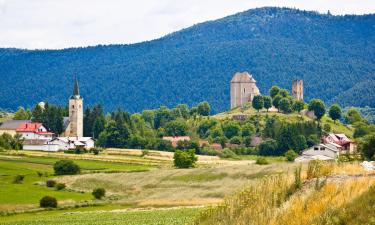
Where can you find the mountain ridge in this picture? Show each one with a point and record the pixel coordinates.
(195, 64)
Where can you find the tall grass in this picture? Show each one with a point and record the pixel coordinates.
(311, 207)
(256, 204)
(280, 200)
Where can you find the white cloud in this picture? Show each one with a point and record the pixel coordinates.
(68, 23)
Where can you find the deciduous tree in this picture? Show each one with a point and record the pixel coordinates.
(335, 112)
(318, 107)
(258, 102)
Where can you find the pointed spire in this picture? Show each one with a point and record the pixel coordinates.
(75, 89)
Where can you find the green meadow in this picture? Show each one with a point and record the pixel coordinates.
(95, 216)
(39, 169)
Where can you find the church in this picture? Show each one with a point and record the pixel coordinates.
(35, 138)
(73, 125)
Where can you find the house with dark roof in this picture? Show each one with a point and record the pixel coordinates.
(10, 126)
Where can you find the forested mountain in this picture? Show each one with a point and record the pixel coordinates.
(334, 55)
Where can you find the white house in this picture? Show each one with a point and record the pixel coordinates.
(66, 143)
(320, 151)
(34, 131)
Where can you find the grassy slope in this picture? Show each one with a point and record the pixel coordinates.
(359, 211)
(291, 117)
(340, 200)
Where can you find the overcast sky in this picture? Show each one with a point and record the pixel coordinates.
(40, 24)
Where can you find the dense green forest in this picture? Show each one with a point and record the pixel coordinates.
(334, 55)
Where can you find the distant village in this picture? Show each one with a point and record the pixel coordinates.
(243, 89)
(36, 136)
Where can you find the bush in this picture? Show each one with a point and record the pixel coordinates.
(66, 167)
(184, 159)
(208, 151)
(69, 151)
(79, 150)
(48, 202)
(18, 179)
(269, 147)
(327, 127)
(291, 155)
(245, 151)
(227, 153)
(235, 140)
(262, 161)
(98, 193)
(95, 151)
(50, 183)
(60, 186)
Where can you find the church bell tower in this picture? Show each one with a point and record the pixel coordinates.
(76, 112)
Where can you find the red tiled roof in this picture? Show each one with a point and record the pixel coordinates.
(44, 133)
(28, 127)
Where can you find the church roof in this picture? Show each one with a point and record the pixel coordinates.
(242, 77)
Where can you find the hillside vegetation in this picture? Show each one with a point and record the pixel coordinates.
(334, 55)
(322, 195)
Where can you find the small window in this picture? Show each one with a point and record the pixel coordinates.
(322, 148)
(73, 106)
(316, 148)
(244, 90)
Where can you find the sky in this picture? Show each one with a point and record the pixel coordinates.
(56, 24)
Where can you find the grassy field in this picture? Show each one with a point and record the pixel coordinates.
(175, 187)
(157, 193)
(94, 216)
(27, 194)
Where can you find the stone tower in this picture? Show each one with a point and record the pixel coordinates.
(75, 113)
(242, 89)
(297, 89)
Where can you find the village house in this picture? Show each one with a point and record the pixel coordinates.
(346, 145)
(34, 131)
(66, 143)
(10, 127)
(321, 151)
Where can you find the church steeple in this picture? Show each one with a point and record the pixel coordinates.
(75, 90)
(75, 127)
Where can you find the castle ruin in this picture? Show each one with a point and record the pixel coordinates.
(242, 89)
(297, 89)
